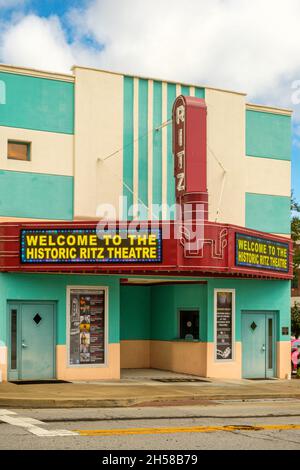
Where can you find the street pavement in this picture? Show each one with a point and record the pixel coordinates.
(224, 424)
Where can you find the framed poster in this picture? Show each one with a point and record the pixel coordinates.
(86, 326)
(224, 314)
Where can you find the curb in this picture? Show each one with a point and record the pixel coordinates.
(131, 402)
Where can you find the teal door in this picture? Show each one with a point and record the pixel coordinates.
(32, 347)
(258, 345)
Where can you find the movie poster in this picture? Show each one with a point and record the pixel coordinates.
(87, 339)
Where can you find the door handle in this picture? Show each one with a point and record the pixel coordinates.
(23, 344)
(263, 347)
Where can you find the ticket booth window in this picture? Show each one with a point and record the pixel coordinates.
(189, 324)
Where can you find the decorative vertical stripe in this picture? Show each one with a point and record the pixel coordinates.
(143, 148)
(170, 161)
(157, 146)
(135, 144)
(185, 90)
(150, 146)
(164, 150)
(200, 92)
(128, 144)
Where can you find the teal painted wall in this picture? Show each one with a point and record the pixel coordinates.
(36, 195)
(253, 294)
(38, 103)
(135, 312)
(52, 287)
(268, 213)
(166, 303)
(268, 135)
(128, 142)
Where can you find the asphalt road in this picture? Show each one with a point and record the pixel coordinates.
(222, 425)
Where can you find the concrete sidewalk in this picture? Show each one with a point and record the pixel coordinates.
(142, 390)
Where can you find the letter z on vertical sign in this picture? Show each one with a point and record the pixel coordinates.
(224, 324)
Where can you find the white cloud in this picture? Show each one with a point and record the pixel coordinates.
(248, 46)
(237, 44)
(38, 43)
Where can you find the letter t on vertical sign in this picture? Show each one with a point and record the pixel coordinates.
(189, 145)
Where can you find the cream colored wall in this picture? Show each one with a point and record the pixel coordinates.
(98, 133)
(135, 354)
(111, 371)
(51, 153)
(224, 369)
(268, 176)
(226, 143)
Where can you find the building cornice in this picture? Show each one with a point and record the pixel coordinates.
(36, 73)
(269, 109)
(156, 79)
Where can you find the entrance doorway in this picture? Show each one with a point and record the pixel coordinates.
(258, 344)
(31, 340)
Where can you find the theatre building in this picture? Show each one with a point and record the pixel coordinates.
(143, 224)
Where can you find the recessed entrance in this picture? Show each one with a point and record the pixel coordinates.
(32, 340)
(163, 325)
(258, 344)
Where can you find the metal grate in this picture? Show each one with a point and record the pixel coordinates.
(179, 379)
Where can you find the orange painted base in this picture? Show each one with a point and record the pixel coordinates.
(111, 371)
(135, 354)
(3, 363)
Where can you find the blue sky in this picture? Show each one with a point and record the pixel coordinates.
(222, 43)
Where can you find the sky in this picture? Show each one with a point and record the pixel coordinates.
(249, 46)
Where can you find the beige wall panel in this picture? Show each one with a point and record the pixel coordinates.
(51, 152)
(283, 359)
(99, 133)
(112, 371)
(135, 354)
(268, 176)
(224, 369)
(226, 142)
(182, 357)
